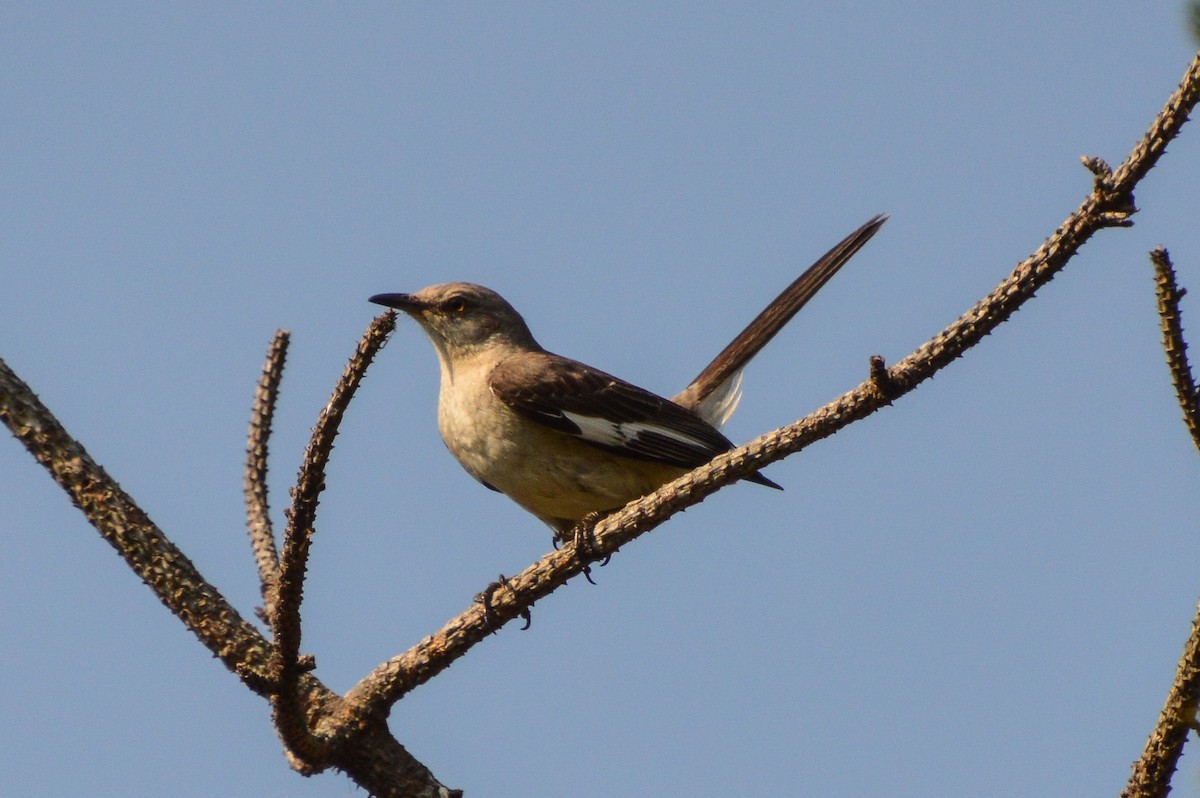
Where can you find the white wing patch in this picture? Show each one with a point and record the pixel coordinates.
(718, 406)
(605, 432)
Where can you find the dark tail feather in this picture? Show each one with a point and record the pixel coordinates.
(775, 316)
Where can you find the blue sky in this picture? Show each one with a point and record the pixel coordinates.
(981, 590)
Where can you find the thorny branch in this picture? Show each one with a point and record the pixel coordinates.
(1151, 776)
(258, 516)
(308, 750)
(120, 521)
(306, 494)
(1169, 294)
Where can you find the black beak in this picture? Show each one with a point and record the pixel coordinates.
(403, 302)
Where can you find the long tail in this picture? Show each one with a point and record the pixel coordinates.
(715, 392)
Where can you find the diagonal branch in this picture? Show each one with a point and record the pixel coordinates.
(1169, 294)
(258, 515)
(1151, 777)
(1109, 205)
(120, 521)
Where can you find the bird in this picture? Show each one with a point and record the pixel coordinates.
(567, 441)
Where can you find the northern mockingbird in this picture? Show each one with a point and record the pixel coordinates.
(565, 440)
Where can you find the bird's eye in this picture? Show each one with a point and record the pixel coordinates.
(456, 304)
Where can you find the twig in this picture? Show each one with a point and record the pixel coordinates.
(258, 516)
(1169, 294)
(1151, 777)
(286, 667)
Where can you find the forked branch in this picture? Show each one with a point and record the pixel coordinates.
(309, 750)
(374, 760)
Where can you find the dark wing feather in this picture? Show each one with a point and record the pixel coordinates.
(605, 411)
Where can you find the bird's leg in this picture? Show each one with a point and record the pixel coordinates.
(587, 530)
(582, 537)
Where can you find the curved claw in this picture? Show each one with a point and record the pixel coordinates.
(485, 599)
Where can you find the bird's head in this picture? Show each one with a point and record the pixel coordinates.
(462, 318)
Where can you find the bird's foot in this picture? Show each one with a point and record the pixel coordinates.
(583, 541)
(484, 599)
(489, 611)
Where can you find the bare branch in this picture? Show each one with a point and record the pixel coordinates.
(1164, 128)
(258, 515)
(1169, 294)
(880, 379)
(1109, 205)
(291, 717)
(1151, 777)
(124, 524)
(385, 769)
